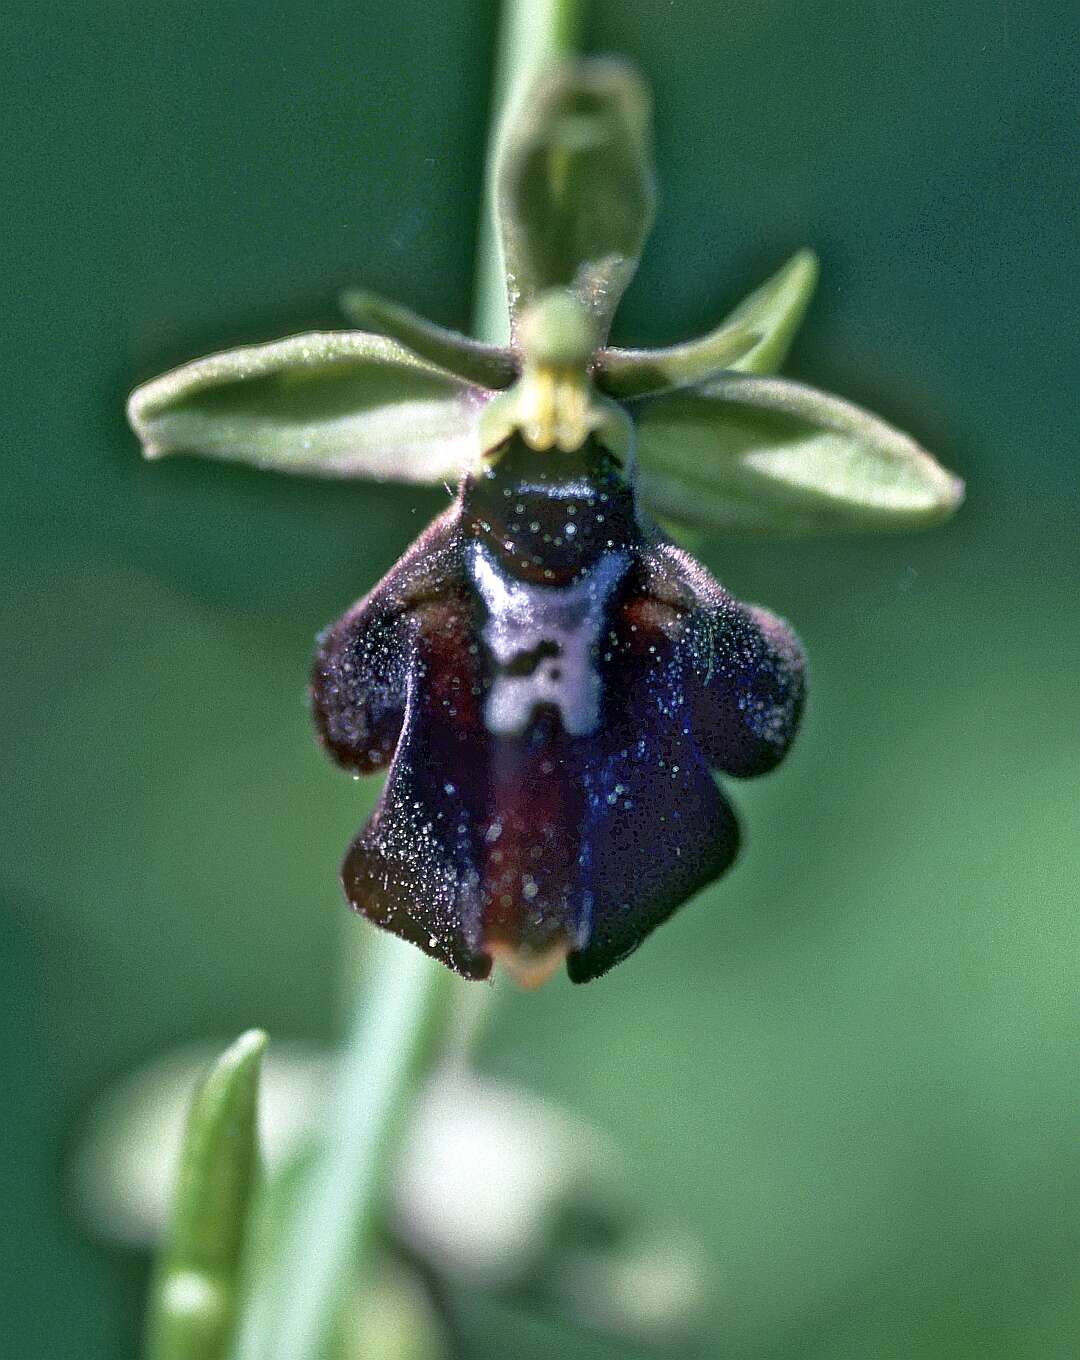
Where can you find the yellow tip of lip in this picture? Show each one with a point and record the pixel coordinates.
(530, 970)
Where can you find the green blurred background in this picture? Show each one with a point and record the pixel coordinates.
(853, 1067)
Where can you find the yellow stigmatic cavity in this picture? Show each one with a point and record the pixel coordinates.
(554, 408)
(554, 405)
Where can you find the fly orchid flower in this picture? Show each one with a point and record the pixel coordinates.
(548, 680)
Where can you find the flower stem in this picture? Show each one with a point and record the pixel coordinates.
(532, 34)
(296, 1297)
(393, 1035)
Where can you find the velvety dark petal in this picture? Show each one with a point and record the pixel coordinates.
(361, 670)
(658, 828)
(415, 868)
(358, 688)
(658, 831)
(393, 683)
(744, 668)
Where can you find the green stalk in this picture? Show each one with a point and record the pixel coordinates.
(295, 1299)
(532, 34)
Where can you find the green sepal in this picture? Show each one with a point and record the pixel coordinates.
(574, 190)
(194, 1296)
(771, 456)
(775, 311)
(475, 362)
(329, 404)
(645, 372)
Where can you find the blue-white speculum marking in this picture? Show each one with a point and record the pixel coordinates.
(550, 684)
(543, 642)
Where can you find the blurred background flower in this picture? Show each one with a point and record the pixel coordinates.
(493, 1189)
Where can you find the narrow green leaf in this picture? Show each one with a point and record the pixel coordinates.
(775, 311)
(332, 404)
(574, 186)
(475, 362)
(766, 455)
(193, 1301)
(643, 372)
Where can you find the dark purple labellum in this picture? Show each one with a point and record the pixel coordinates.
(550, 682)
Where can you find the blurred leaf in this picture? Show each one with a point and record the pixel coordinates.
(125, 1168)
(193, 1302)
(333, 404)
(574, 187)
(643, 372)
(775, 311)
(768, 455)
(488, 365)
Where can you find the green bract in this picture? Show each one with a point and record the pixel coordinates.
(720, 444)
